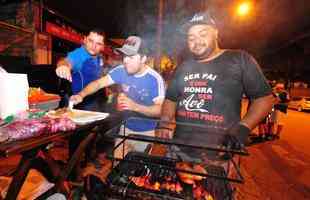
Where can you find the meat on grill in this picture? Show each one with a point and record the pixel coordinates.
(200, 193)
(144, 181)
(149, 176)
(190, 178)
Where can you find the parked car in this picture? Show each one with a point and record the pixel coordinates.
(300, 103)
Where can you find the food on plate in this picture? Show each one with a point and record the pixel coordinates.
(80, 117)
(61, 112)
(65, 112)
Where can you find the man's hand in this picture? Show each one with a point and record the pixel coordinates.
(236, 136)
(125, 103)
(76, 99)
(163, 132)
(165, 129)
(64, 72)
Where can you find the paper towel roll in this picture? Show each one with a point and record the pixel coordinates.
(13, 93)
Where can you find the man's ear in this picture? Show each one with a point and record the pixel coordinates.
(84, 40)
(143, 58)
(216, 34)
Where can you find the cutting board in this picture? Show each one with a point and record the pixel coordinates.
(80, 117)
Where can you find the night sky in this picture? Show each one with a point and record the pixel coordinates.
(275, 32)
(272, 23)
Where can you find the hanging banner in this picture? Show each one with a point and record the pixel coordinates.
(60, 32)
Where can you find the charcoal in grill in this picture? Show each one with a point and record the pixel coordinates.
(159, 168)
(134, 169)
(217, 187)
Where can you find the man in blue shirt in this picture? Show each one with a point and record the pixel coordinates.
(142, 88)
(84, 65)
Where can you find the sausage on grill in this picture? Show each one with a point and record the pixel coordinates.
(190, 178)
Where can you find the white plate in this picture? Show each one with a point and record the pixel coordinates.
(82, 117)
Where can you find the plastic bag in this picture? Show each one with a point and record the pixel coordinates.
(22, 129)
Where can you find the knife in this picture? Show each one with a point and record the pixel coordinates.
(70, 106)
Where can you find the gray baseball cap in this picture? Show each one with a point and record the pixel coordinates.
(131, 46)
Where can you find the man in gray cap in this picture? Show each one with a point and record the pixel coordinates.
(143, 90)
(207, 90)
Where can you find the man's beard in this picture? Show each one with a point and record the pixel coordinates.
(206, 54)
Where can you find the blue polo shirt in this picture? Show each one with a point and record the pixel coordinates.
(85, 68)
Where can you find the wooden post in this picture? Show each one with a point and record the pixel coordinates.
(159, 34)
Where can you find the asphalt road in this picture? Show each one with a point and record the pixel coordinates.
(280, 169)
(297, 130)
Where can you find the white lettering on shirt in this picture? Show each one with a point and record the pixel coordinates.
(192, 104)
(201, 90)
(205, 76)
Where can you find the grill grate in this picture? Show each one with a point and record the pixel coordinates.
(135, 164)
(140, 164)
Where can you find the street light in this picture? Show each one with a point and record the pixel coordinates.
(244, 8)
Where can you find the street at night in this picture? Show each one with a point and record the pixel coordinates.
(280, 169)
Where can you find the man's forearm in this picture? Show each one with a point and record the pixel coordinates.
(94, 86)
(168, 113)
(150, 111)
(90, 89)
(168, 110)
(259, 109)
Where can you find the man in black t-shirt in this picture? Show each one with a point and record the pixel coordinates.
(206, 91)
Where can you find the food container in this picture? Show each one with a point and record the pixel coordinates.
(39, 99)
(45, 105)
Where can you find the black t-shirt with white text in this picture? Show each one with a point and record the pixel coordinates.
(210, 93)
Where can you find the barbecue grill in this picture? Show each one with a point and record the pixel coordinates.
(142, 176)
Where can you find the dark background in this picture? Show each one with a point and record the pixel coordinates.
(271, 24)
(277, 32)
